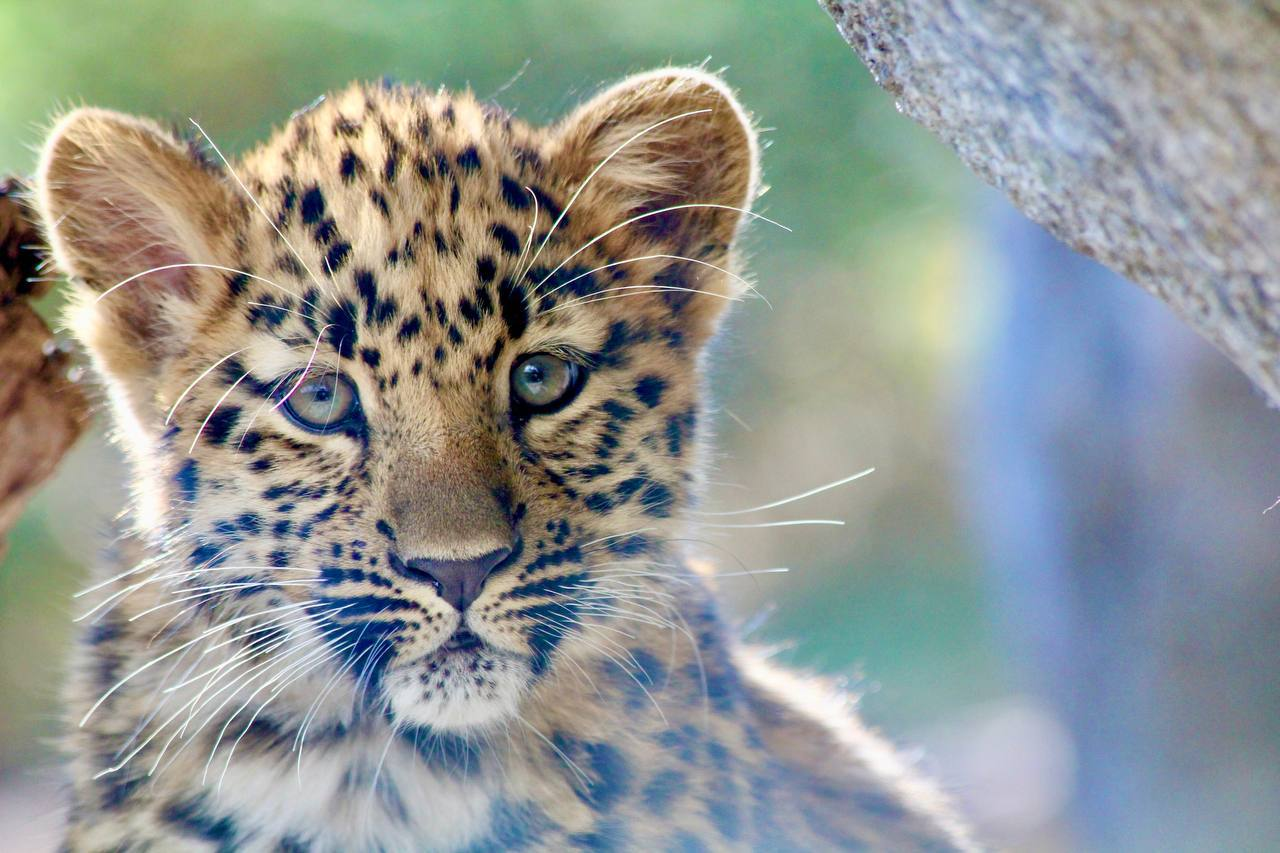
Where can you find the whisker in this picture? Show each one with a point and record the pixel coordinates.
(209, 417)
(304, 374)
(192, 265)
(184, 394)
(256, 204)
(278, 308)
(646, 215)
(637, 290)
(569, 204)
(784, 501)
(797, 522)
(207, 633)
(748, 285)
(520, 271)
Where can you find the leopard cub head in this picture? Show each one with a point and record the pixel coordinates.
(413, 383)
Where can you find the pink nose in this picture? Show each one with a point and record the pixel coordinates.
(457, 581)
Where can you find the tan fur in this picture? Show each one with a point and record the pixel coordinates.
(262, 676)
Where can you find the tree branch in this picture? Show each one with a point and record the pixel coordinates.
(42, 412)
(1144, 133)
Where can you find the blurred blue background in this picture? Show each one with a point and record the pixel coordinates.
(1059, 589)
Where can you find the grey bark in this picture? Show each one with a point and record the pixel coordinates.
(1144, 133)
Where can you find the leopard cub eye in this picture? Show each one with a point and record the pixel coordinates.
(321, 403)
(543, 382)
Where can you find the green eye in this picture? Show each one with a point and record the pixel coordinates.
(543, 382)
(321, 403)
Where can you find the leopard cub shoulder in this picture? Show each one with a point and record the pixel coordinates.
(412, 398)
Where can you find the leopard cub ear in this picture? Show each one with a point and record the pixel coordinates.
(129, 212)
(666, 138)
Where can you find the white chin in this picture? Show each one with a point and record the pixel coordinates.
(456, 691)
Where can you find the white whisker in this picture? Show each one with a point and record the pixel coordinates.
(184, 394)
(784, 501)
(646, 215)
(596, 171)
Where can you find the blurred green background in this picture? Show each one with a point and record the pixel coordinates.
(884, 297)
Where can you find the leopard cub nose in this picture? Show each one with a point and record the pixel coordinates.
(457, 581)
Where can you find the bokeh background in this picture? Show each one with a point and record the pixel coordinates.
(1059, 589)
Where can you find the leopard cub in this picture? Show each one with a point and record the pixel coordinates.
(412, 399)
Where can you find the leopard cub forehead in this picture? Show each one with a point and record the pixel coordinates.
(416, 217)
(423, 181)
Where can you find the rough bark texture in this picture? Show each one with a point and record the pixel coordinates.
(42, 412)
(1144, 133)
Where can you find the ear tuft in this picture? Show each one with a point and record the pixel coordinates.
(674, 136)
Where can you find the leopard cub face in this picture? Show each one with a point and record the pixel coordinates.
(413, 386)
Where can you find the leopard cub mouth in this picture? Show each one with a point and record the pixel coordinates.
(463, 640)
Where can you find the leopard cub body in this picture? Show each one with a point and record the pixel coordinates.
(411, 395)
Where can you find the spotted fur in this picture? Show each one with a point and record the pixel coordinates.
(258, 671)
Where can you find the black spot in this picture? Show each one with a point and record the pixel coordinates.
(337, 256)
(469, 159)
(342, 328)
(192, 818)
(506, 238)
(679, 429)
(385, 529)
(469, 312)
(612, 775)
(326, 231)
(118, 788)
(664, 789)
(188, 480)
(515, 311)
(617, 411)
(293, 844)
(455, 198)
(220, 423)
(350, 166)
(367, 287)
(723, 810)
(514, 194)
(371, 357)
(312, 206)
(485, 268)
(598, 502)
(484, 302)
(548, 205)
(628, 487)
(657, 500)
(237, 283)
(629, 546)
(409, 329)
(386, 311)
(649, 390)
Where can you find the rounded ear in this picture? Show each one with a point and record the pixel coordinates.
(130, 212)
(665, 139)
